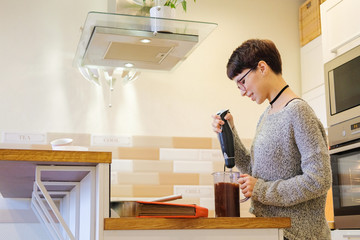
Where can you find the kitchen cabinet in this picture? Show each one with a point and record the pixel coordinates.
(312, 77)
(339, 26)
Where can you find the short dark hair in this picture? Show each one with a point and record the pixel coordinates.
(250, 53)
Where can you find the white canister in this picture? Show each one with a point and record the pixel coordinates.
(157, 23)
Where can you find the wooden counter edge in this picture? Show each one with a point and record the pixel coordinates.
(196, 223)
(54, 156)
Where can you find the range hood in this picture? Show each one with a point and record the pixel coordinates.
(112, 41)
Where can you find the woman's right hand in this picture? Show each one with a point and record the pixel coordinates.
(217, 122)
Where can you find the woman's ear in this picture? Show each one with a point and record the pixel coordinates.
(263, 67)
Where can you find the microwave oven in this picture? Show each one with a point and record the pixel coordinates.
(342, 92)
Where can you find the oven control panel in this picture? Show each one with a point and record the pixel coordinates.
(345, 132)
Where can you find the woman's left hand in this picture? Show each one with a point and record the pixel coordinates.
(247, 184)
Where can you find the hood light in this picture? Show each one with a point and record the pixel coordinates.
(145, 40)
(129, 65)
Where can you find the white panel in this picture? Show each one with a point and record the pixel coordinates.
(87, 210)
(111, 140)
(339, 26)
(21, 231)
(24, 138)
(345, 234)
(312, 68)
(316, 99)
(190, 191)
(120, 165)
(344, 20)
(179, 154)
(211, 155)
(10, 203)
(195, 234)
(193, 167)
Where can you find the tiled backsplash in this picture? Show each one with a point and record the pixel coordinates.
(149, 167)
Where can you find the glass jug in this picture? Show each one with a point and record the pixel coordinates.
(227, 194)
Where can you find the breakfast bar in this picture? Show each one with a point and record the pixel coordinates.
(87, 174)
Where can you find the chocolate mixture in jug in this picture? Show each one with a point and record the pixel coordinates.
(227, 199)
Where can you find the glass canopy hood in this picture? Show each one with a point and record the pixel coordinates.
(113, 41)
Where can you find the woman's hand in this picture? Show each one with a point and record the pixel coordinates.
(247, 184)
(217, 122)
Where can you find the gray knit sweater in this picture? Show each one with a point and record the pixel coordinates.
(289, 157)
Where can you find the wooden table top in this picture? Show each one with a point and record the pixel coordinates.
(17, 167)
(128, 223)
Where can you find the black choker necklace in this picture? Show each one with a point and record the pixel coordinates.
(278, 95)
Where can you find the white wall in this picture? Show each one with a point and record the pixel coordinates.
(42, 92)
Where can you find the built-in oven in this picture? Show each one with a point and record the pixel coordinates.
(345, 163)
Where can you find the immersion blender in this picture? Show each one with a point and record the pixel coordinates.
(226, 139)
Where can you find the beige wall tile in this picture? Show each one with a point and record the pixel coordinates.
(209, 203)
(113, 178)
(211, 155)
(211, 213)
(122, 165)
(152, 190)
(192, 142)
(247, 142)
(206, 179)
(179, 154)
(138, 153)
(41, 147)
(121, 190)
(193, 166)
(113, 150)
(153, 166)
(152, 141)
(218, 166)
(244, 209)
(215, 144)
(179, 178)
(138, 178)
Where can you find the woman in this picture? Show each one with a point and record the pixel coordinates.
(287, 172)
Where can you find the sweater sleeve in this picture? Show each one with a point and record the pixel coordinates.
(242, 155)
(310, 141)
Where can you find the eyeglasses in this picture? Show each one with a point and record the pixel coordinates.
(241, 81)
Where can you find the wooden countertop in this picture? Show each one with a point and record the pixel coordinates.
(17, 167)
(54, 156)
(196, 223)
